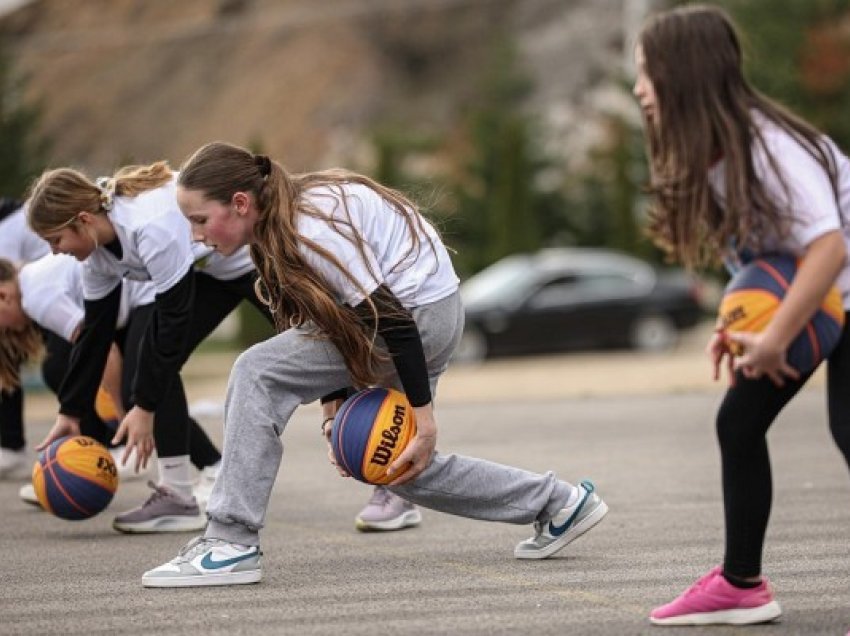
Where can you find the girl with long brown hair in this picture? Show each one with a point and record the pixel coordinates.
(735, 175)
(364, 293)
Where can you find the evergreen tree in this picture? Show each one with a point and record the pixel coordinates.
(22, 149)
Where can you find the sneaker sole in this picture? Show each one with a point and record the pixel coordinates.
(569, 536)
(204, 580)
(762, 614)
(162, 524)
(409, 519)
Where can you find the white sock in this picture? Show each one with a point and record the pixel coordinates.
(174, 473)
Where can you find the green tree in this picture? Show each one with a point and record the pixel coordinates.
(22, 148)
(501, 207)
(798, 52)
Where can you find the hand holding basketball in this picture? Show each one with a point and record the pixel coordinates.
(762, 355)
(718, 349)
(65, 426)
(417, 455)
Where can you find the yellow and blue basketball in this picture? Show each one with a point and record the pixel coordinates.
(75, 478)
(754, 294)
(370, 431)
(104, 406)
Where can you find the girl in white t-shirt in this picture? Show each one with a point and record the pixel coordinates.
(129, 227)
(363, 292)
(43, 300)
(18, 244)
(734, 175)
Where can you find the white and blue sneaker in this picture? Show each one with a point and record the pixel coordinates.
(566, 526)
(205, 561)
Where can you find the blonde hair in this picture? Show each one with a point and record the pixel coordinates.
(17, 347)
(58, 196)
(295, 292)
(694, 61)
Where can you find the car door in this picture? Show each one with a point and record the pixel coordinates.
(549, 318)
(585, 309)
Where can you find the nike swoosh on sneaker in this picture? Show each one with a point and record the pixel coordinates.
(557, 531)
(208, 564)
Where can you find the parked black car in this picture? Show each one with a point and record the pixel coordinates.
(575, 298)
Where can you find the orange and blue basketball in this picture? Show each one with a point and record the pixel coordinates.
(370, 431)
(75, 478)
(754, 294)
(105, 408)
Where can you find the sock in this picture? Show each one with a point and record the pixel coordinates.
(739, 582)
(174, 473)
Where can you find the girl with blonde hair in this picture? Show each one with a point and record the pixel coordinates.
(129, 227)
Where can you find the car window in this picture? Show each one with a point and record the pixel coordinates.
(583, 288)
(503, 284)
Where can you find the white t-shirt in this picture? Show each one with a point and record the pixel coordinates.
(156, 243)
(208, 261)
(424, 276)
(18, 243)
(813, 206)
(52, 294)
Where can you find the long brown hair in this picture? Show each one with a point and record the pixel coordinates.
(17, 347)
(706, 113)
(58, 196)
(297, 294)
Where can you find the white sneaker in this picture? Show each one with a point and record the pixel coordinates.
(13, 461)
(27, 495)
(566, 526)
(206, 481)
(208, 562)
(127, 471)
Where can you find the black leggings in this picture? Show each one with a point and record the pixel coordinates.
(53, 369)
(747, 411)
(12, 419)
(214, 300)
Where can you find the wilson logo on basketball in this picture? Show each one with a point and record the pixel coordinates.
(384, 451)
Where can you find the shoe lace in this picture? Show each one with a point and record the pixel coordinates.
(159, 492)
(380, 496)
(196, 546)
(700, 584)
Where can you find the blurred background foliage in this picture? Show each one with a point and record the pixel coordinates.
(490, 180)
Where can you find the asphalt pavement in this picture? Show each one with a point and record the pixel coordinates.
(648, 444)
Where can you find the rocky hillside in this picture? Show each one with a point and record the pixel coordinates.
(137, 80)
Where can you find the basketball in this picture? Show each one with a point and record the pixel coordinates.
(754, 294)
(75, 478)
(370, 431)
(104, 406)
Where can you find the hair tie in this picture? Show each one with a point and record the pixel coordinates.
(106, 185)
(264, 164)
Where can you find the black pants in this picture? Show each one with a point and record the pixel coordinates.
(12, 419)
(214, 300)
(53, 370)
(173, 412)
(747, 411)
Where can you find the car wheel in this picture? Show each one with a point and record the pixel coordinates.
(472, 346)
(653, 332)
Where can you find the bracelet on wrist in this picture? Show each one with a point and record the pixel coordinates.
(324, 423)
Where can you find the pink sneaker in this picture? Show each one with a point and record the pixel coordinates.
(713, 600)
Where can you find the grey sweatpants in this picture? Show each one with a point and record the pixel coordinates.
(269, 380)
